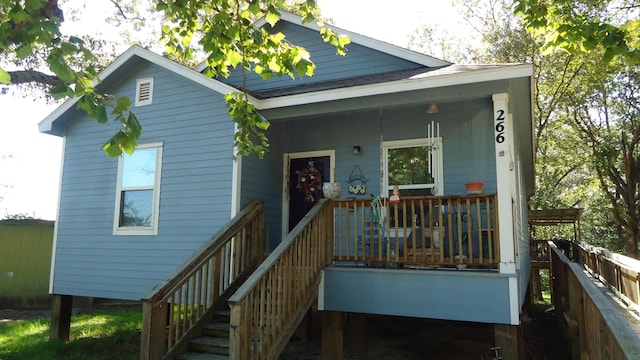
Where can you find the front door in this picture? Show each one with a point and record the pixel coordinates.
(306, 172)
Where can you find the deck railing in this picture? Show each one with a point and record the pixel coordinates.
(417, 232)
(620, 273)
(177, 306)
(267, 308)
(539, 252)
(595, 326)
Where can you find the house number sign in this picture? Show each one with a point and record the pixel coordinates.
(500, 120)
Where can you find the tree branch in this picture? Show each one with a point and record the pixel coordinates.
(33, 76)
(122, 13)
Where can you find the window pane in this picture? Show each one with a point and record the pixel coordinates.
(139, 168)
(409, 166)
(136, 208)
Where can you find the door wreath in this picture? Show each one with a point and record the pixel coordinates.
(309, 182)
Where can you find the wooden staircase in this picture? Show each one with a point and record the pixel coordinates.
(213, 344)
(263, 301)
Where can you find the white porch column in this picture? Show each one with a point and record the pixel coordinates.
(236, 178)
(503, 138)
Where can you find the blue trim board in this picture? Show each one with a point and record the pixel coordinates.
(435, 294)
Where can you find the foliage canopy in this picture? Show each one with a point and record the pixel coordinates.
(223, 31)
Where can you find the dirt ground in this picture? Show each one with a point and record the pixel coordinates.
(394, 338)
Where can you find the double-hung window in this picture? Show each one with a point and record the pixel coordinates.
(138, 191)
(414, 166)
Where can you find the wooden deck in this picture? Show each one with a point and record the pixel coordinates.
(598, 325)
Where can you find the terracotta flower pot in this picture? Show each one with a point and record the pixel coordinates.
(474, 187)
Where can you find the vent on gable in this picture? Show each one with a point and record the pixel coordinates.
(144, 91)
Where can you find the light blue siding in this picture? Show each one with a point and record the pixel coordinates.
(448, 295)
(195, 198)
(466, 129)
(360, 61)
(262, 180)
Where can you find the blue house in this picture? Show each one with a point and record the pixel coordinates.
(195, 230)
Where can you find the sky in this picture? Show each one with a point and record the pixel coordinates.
(30, 162)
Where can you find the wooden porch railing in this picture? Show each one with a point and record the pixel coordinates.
(620, 273)
(175, 307)
(267, 308)
(596, 327)
(418, 232)
(539, 253)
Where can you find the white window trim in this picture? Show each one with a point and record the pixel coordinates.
(155, 206)
(437, 156)
(139, 83)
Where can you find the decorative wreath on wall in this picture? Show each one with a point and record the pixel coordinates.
(357, 181)
(309, 182)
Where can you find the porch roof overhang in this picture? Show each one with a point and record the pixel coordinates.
(452, 84)
(551, 217)
(389, 84)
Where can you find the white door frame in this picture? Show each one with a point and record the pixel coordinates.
(331, 153)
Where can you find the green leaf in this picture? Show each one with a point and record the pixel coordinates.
(68, 48)
(133, 125)
(122, 104)
(61, 91)
(254, 7)
(76, 40)
(100, 113)
(128, 143)
(60, 68)
(24, 51)
(111, 148)
(85, 104)
(5, 78)
(272, 16)
(234, 58)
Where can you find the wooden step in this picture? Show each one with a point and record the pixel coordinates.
(201, 356)
(212, 345)
(222, 315)
(216, 330)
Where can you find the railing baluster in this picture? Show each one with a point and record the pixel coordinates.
(196, 288)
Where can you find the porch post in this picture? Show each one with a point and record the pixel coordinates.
(60, 317)
(332, 335)
(506, 339)
(357, 335)
(505, 166)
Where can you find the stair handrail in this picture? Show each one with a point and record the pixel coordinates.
(270, 304)
(196, 287)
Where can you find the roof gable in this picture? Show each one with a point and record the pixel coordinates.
(381, 46)
(365, 57)
(130, 58)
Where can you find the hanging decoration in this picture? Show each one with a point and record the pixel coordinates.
(433, 135)
(309, 182)
(357, 181)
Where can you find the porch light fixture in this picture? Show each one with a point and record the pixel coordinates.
(356, 150)
(433, 108)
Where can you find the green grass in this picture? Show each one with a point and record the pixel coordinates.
(96, 335)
